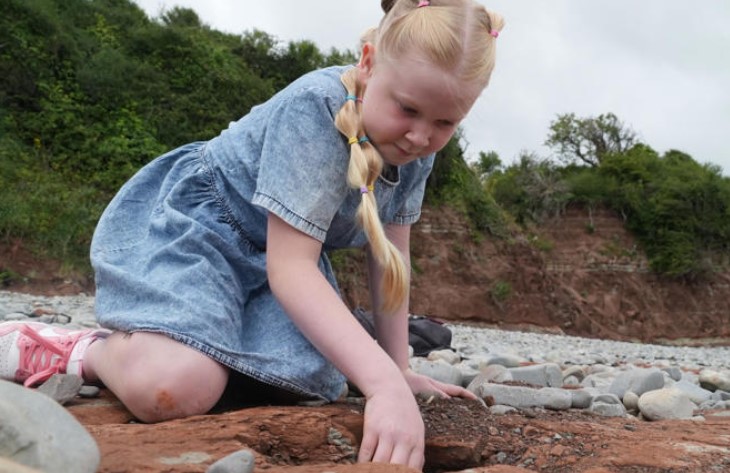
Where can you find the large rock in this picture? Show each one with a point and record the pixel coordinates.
(666, 404)
(38, 432)
(521, 397)
(713, 380)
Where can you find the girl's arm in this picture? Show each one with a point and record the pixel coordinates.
(392, 329)
(393, 429)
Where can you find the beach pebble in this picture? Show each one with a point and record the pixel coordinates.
(666, 404)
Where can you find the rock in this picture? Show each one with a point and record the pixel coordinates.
(449, 356)
(571, 381)
(521, 397)
(674, 372)
(580, 398)
(88, 391)
(631, 401)
(666, 404)
(242, 461)
(62, 387)
(9, 466)
(576, 371)
(490, 374)
(713, 380)
(547, 374)
(37, 432)
(440, 371)
(500, 410)
(694, 392)
(468, 373)
(637, 381)
(601, 380)
(607, 405)
(506, 360)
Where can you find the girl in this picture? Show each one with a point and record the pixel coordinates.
(210, 261)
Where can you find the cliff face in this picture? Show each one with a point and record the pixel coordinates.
(582, 274)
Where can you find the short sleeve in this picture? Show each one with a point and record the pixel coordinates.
(413, 186)
(303, 165)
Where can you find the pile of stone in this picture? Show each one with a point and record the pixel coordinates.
(509, 382)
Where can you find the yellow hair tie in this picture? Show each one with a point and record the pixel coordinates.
(352, 140)
(366, 189)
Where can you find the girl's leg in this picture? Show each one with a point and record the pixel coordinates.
(155, 377)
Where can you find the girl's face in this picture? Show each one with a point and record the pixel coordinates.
(411, 108)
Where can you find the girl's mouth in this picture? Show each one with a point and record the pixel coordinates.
(402, 152)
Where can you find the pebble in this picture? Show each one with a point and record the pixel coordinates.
(513, 371)
(61, 387)
(664, 404)
(242, 461)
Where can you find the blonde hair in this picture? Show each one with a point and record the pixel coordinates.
(455, 35)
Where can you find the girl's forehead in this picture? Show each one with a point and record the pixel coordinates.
(429, 86)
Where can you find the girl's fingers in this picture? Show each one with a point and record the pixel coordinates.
(402, 454)
(384, 452)
(416, 459)
(367, 448)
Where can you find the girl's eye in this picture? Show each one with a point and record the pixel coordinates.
(407, 110)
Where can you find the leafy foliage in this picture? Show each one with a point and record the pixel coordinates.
(454, 183)
(679, 209)
(91, 90)
(531, 190)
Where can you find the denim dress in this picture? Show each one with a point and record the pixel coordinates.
(181, 249)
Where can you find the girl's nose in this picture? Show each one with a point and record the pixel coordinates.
(419, 135)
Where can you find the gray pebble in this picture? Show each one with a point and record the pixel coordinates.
(61, 387)
(87, 391)
(242, 461)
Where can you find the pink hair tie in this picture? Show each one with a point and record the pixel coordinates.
(424, 3)
(494, 33)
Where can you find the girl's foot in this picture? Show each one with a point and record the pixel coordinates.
(32, 352)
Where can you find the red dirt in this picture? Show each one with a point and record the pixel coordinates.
(460, 435)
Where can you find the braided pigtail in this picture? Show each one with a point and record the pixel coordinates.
(363, 170)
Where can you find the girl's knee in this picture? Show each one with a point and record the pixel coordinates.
(160, 379)
(160, 399)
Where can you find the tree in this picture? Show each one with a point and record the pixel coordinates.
(589, 140)
(181, 17)
(487, 164)
(532, 190)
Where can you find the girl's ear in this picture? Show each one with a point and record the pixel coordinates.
(367, 63)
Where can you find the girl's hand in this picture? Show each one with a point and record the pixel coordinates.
(421, 384)
(393, 430)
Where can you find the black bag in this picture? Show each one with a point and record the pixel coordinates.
(424, 334)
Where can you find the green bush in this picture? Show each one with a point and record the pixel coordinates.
(454, 183)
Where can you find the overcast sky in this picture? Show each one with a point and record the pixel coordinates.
(662, 66)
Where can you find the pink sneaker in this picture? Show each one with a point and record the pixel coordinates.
(32, 352)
